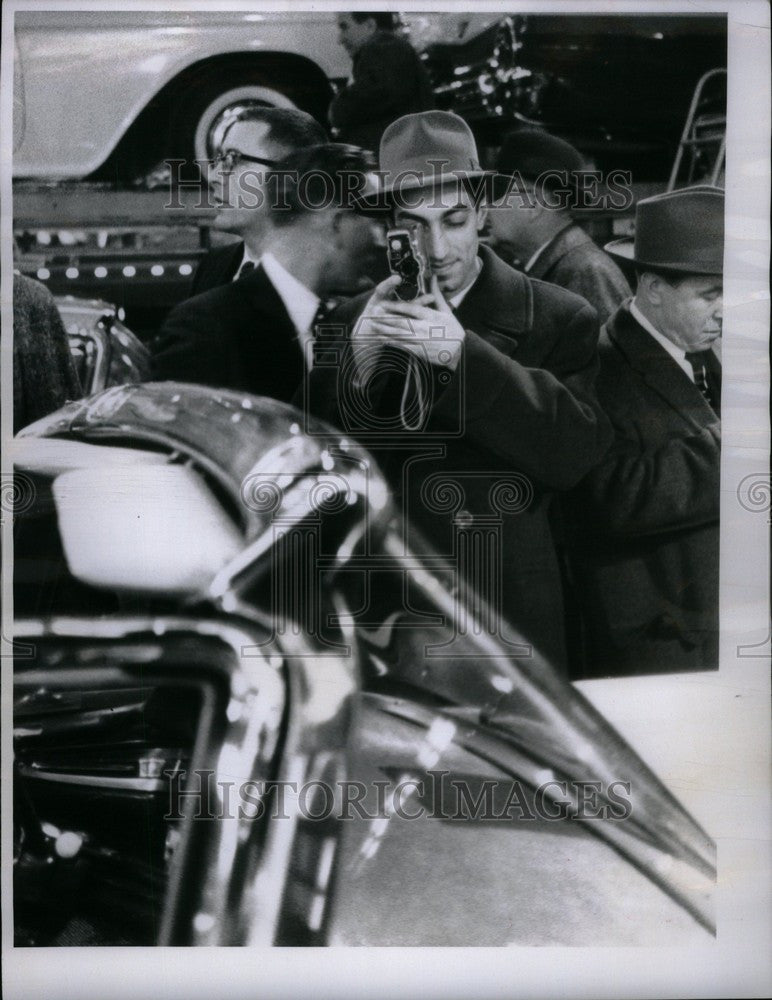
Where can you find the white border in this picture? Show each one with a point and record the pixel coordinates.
(736, 757)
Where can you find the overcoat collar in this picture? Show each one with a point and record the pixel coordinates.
(500, 301)
(660, 371)
(570, 237)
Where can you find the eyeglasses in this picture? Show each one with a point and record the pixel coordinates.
(229, 159)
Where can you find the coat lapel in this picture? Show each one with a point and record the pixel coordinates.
(660, 372)
(229, 262)
(270, 339)
(499, 302)
(568, 238)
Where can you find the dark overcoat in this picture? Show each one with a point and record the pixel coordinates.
(388, 81)
(573, 261)
(517, 420)
(235, 336)
(647, 547)
(44, 375)
(217, 267)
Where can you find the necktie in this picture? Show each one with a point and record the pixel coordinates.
(697, 360)
(246, 267)
(322, 314)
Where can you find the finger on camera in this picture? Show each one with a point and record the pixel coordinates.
(439, 299)
(385, 289)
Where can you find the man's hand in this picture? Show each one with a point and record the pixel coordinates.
(425, 327)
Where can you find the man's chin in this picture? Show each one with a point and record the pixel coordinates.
(225, 220)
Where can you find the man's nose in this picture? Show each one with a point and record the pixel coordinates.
(437, 244)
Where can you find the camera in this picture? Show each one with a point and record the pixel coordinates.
(408, 259)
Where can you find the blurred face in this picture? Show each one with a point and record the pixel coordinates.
(352, 34)
(509, 224)
(359, 260)
(238, 186)
(690, 314)
(451, 235)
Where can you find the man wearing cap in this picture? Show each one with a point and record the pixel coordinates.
(647, 548)
(532, 227)
(477, 397)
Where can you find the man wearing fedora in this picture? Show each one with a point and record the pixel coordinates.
(647, 552)
(533, 228)
(477, 397)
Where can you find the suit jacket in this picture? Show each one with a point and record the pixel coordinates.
(647, 547)
(516, 420)
(573, 261)
(236, 336)
(217, 267)
(388, 81)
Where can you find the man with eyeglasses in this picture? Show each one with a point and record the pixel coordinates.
(252, 144)
(255, 334)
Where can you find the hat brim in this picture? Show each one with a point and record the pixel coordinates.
(623, 252)
(390, 197)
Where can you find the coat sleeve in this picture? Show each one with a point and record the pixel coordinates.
(644, 487)
(44, 375)
(543, 421)
(385, 76)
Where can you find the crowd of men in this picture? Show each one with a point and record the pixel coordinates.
(552, 430)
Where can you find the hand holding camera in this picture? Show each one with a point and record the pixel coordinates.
(408, 310)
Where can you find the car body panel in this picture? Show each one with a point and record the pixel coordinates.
(417, 695)
(104, 350)
(88, 74)
(503, 881)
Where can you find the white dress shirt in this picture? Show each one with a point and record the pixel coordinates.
(299, 301)
(246, 259)
(676, 353)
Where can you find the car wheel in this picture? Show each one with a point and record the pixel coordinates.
(221, 108)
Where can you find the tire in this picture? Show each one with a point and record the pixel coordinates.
(215, 111)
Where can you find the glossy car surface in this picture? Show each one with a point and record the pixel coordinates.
(111, 94)
(310, 647)
(88, 77)
(104, 349)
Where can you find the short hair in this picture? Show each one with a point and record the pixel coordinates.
(383, 21)
(287, 127)
(672, 278)
(328, 175)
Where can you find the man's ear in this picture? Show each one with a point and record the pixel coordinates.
(650, 285)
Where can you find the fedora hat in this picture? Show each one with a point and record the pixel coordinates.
(680, 232)
(532, 152)
(420, 151)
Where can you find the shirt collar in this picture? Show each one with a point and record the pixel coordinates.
(675, 352)
(299, 301)
(246, 258)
